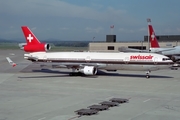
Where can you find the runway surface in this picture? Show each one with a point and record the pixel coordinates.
(29, 93)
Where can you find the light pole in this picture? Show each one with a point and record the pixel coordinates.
(149, 22)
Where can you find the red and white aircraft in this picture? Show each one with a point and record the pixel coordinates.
(173, 53)
(32, 43)
(88, 62)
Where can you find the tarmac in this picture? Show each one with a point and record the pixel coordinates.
(28, 92)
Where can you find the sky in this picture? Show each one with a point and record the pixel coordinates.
(81, 20)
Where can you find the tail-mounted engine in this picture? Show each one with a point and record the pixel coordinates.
(42, 47)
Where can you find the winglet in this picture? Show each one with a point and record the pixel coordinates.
(11, 62)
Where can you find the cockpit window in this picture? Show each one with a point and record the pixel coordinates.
(166, 59)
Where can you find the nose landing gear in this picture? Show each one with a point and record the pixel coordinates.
(147, 74)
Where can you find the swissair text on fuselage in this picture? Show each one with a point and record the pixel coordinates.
(140, 57)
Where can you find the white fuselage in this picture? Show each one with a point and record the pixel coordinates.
(107, 61)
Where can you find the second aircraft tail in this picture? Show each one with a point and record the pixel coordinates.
(153, 39)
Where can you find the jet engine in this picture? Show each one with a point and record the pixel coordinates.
(42, 47)
(175, 58)
(88, 70)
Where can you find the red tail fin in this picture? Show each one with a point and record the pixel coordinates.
(153, 39)
(30, 37)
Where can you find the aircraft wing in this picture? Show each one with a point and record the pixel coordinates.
(63, 64)
(71, 65)
(59, 64)
(160, 50)
(81, 65)
(11, 62)
(153, 50)
(125, 49)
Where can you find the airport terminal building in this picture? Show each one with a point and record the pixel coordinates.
(112, 46)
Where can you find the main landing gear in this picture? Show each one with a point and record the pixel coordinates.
(75, 72)
(147, 74)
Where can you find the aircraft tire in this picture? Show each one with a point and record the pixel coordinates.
(75, 74)
(147, 76)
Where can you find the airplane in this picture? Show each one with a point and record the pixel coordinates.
(88, 63)
(32, 43)
(172, 53)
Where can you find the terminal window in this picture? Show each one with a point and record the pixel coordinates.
(110, 47)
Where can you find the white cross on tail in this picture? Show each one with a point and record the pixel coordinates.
(153, 36)
(30, 38)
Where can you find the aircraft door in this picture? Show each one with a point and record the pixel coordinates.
(155, 60)
(88, 59)
(126, 60)
(45, 58)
